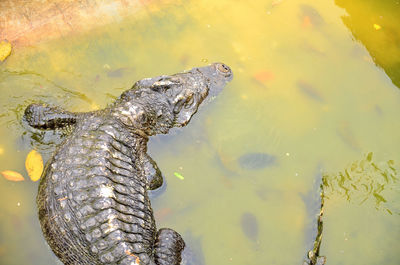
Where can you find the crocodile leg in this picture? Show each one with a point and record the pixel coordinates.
(48, 118)
(153, 173)
(168, 247)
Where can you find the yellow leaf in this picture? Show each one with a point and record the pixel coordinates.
(12, 175)
(5, 50)
(34, 165)
(377, 27)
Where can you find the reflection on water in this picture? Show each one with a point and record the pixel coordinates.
(305, 95)
(376, 24)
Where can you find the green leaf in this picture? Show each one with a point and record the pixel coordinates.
(179, 176)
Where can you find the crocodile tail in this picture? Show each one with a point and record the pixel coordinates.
(48, 118)
(168, 247)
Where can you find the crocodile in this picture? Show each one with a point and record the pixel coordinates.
(93, 198)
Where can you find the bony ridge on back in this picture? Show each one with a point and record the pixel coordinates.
(93, 198)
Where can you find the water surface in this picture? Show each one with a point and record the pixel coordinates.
(308, 91)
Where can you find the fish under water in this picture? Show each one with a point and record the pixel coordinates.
(310, 91)
(255, 161)
(312, 14)
(249, 225)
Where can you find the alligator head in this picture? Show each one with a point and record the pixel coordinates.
(154, 105)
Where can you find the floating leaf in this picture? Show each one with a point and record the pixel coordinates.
(12, 175)
(5, 50)
(179, 176)
(34, 165)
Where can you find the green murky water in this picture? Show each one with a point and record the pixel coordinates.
(312, 95)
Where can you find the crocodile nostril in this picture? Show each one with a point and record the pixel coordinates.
(224, 69)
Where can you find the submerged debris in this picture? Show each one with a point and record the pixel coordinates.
(313, 257)
(365, 180)
(360, 181)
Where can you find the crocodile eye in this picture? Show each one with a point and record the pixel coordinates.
(165, 83)
(189, 102)
(223, 69)
(161, 85)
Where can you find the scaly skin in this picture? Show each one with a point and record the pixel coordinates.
(93, 195)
